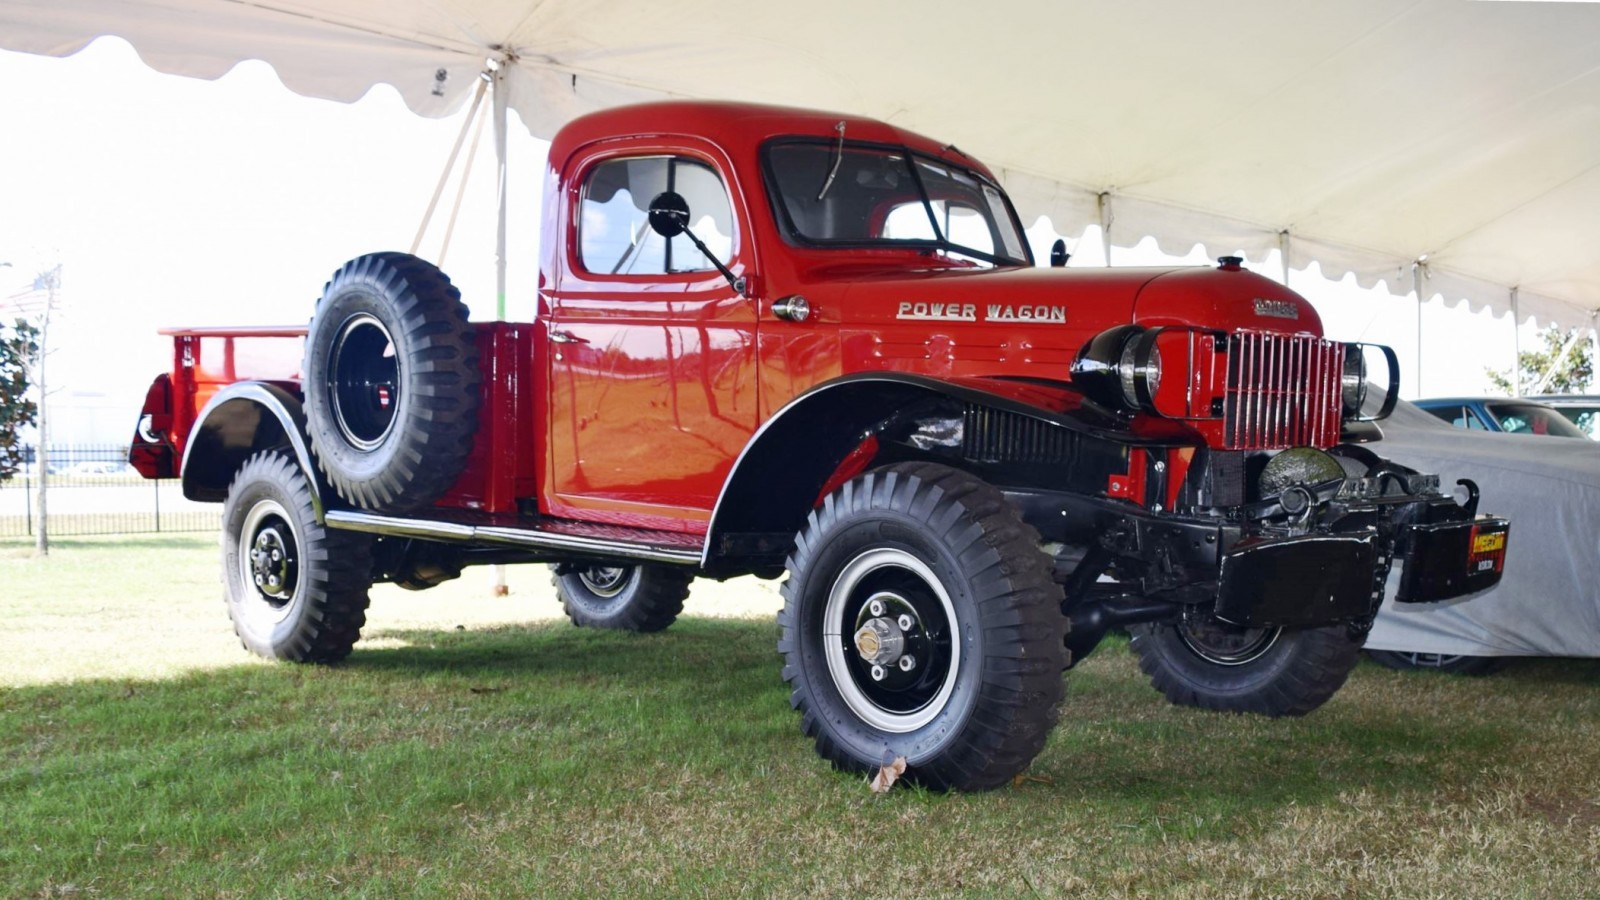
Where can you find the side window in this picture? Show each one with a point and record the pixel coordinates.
(1451, 414)
(1471, 420)
(614, 235)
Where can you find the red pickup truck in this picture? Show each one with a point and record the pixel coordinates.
(771, 341)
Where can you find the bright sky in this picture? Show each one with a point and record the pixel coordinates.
(175, 201)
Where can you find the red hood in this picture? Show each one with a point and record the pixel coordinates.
(1078, 299)
(952, 321)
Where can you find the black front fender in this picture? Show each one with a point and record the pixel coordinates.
(783, 468)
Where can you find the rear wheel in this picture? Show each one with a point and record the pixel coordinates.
(1206, 663)
(920, 621)
(295, 589)
(1438, 662)
(624, 598)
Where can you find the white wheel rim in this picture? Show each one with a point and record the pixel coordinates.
(256, 608)
(835, 649)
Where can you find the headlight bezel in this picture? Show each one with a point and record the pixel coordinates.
(1353, 398)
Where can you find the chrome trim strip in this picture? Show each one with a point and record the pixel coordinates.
(398, 526)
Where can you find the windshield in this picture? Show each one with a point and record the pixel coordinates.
(1531, 418)
(861, 195)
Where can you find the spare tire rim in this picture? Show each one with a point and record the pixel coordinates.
(1227, 645)
(269, 558)
(889, 639)
(364, 381)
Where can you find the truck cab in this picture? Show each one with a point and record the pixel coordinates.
(788, 343)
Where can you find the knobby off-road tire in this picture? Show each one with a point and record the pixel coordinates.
(1268, 671)
(311, 597)
(939, 561)
(1471, 666)
(391, 382)
(623, 598)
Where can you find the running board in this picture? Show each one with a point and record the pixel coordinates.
(562, 535)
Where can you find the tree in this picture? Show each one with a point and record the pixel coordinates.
(1569, 372)
(19, 350)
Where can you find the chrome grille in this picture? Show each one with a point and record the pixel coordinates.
(1282, 391)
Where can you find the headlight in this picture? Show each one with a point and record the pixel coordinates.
(1353, 381)
(1120, 368)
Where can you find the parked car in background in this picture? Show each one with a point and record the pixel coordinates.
(1515, 415)
(1582, 409)
(1548, 603)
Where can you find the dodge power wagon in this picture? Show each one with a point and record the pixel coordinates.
(775, 342)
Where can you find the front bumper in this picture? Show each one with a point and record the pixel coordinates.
(1324, 578)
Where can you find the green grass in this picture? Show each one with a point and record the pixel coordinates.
(518, 756)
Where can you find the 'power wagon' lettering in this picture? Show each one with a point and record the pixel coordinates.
(938, 312)
(998, 313)
(968, 312)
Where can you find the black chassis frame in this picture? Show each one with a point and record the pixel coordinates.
(1165, 565)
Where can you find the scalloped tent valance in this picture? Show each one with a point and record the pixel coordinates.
(1462, 132)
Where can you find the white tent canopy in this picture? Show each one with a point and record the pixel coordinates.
(1363, 134)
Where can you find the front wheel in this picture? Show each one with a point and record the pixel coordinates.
(622, 598)
(920, 621)
(1210, 664)
(295, 589)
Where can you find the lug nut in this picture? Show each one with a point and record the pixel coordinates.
(260, 581)
(908, 662)
(878, 673)
(905, 622)
(875, 607)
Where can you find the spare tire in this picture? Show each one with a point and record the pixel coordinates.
(391, 382)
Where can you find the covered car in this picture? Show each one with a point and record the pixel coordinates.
(1548, 603)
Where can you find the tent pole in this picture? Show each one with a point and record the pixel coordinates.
(500, 73)
(1516, 345)
(1283, 254)
(1416, 285)
(1594, 346)
(500, 588)
(1104, 199)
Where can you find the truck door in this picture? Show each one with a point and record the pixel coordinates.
(652, 353)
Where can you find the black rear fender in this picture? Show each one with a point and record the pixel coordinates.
(243, 419)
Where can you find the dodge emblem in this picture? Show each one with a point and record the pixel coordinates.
(1277, 309)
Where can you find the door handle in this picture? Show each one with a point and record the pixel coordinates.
(562, 337)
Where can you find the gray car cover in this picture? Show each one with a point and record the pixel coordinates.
(1547, 603)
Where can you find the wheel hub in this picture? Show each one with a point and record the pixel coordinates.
(880, 641)
(272, 564)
